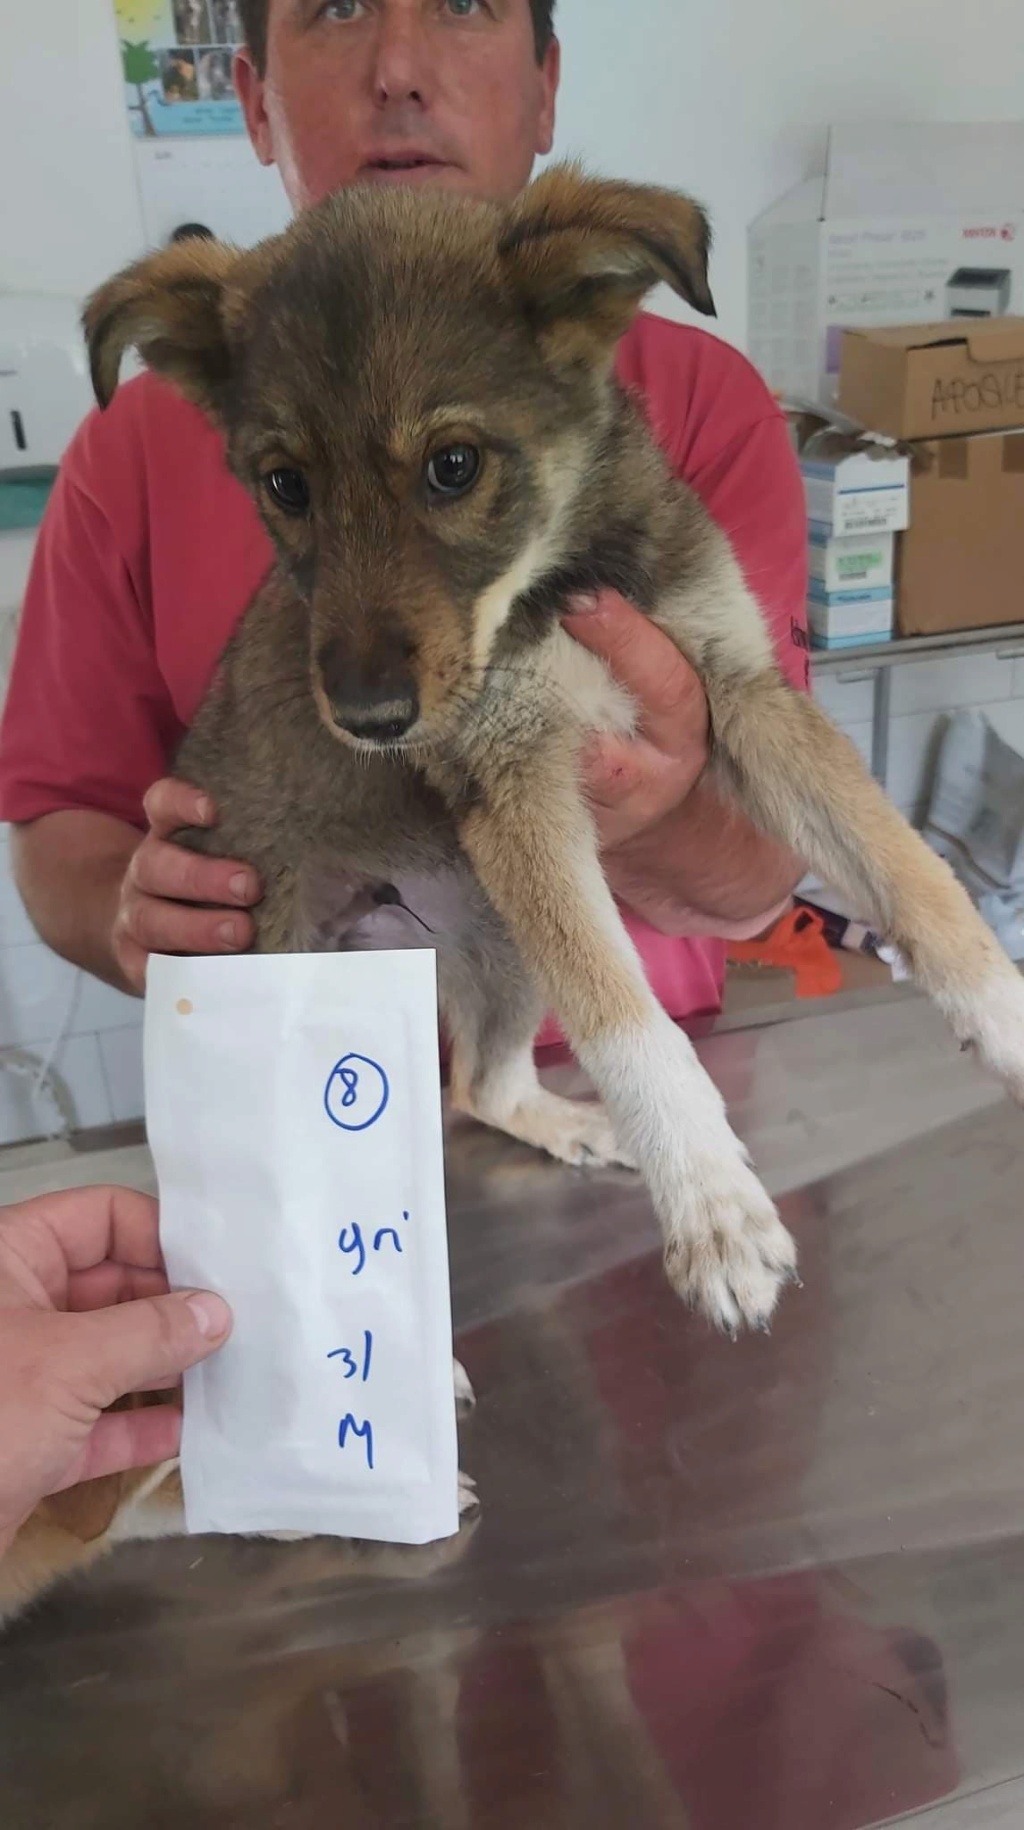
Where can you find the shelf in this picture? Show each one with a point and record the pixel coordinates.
(1006, 640)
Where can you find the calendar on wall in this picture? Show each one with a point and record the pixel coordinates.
(177, 56)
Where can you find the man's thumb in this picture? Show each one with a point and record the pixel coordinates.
(133, 1346)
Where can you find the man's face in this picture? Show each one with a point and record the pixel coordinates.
(439, 92)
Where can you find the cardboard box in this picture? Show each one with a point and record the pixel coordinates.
(961, 565)
(929, 380)
(850, 563)
(906, 223)
(850, 619)
(853, 488)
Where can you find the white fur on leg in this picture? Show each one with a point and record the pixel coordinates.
(991, 1023)
(726, 1250)
(510, 1098)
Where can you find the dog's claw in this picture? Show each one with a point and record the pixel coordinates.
(465, 1396)
(764, 1325)
(469, 1499)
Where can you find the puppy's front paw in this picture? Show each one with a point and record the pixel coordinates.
(728, 1253)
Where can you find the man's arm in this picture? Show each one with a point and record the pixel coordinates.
(69, 868)
(89, 723)
(673, 849)
(105, 896)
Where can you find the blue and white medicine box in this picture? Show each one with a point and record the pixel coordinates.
(858, 492)
(849, 562)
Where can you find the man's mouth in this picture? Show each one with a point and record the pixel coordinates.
(403, 165)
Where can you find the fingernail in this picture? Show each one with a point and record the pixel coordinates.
(204, 808)
(239, 886)
(583, 604)
(227, 933)
(213, 1317)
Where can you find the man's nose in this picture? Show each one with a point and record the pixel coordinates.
(401, 62)
(375, 702)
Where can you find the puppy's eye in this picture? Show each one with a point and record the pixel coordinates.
(289, 489)
(454, 470)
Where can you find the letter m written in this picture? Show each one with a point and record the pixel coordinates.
(348, 1426)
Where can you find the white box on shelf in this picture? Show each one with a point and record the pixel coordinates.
(850, 562)
(856, 492)
(850, 619)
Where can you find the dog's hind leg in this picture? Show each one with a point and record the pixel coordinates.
(532, 845)
(493, 1011)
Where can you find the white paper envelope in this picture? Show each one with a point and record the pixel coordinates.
(294, 1114)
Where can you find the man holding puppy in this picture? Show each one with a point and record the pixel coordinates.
(151, 551)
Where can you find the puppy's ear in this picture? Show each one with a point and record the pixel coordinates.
(583, 253)
(172, 307)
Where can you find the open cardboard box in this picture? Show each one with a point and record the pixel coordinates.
(916, 381)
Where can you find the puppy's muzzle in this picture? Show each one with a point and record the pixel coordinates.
(373, 705)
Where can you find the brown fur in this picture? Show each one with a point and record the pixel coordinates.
(381, 331)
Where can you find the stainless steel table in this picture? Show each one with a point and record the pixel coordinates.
(771, 1586)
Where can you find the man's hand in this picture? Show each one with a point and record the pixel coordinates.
(86, 1318)
(163, 883)
(672, 850)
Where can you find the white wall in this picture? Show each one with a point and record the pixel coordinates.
(69, 208)
(728, 99)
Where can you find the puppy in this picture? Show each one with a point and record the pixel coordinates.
(419, 393)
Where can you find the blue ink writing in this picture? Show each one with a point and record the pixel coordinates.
(364, 1430)
(352, 1243)
(356, 1246)
(351, 1366)
(357, 1093)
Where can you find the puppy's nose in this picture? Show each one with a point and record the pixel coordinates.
(378, 706)
(377, 721)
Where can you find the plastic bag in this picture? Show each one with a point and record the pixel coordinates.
(975, 820)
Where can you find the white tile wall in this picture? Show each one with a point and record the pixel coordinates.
(121, 1055)
(15, 559)
(922, 692)
(92, 1033)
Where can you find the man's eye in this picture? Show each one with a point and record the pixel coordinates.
(463, 8)
(343, 9)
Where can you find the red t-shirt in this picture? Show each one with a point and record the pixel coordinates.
(150, 551)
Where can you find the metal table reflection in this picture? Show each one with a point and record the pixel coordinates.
(777, 1584)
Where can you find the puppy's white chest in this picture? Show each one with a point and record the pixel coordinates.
(583, 684)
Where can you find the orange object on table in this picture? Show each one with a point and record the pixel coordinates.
(797, 944)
